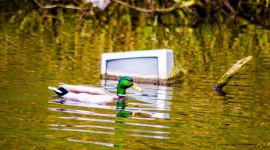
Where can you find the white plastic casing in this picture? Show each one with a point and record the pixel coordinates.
(156, 64)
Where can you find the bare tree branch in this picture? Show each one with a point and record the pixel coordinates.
(231, 72)
(58, 6)
(175, 6)
(192, 12)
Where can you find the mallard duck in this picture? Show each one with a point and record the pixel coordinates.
(93, 94)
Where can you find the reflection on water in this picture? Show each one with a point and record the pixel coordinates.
(134, 117)
(92, 142)
(187, 116)
(154, 96)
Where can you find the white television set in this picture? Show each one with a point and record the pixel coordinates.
(146, 65)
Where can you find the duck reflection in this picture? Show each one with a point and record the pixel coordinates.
(137, 116)
(85, 121)
(154, 98)
(154, 102)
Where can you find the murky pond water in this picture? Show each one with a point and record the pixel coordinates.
(183, 116)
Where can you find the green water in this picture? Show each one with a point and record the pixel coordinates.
(183, 116)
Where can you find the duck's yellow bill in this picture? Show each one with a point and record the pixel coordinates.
(135, 86)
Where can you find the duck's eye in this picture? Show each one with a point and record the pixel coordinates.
(130, 80)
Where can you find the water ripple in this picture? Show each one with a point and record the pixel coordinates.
(92, 142)
(139, 119)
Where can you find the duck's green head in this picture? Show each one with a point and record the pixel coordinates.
(124, 83)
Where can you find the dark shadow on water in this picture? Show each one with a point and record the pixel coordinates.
(220, 91)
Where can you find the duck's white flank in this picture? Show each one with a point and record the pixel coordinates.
(84, 97)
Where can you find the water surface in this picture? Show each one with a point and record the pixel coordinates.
(183, 116)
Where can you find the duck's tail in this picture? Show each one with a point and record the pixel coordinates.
(59, 91)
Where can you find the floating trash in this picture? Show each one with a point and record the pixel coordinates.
(150, 66)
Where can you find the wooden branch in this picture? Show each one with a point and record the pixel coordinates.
(175, 6)
(228, 5)
(230, 73)
(192, 12)
(58, 6)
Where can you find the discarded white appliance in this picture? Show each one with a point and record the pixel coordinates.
(150, 66)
